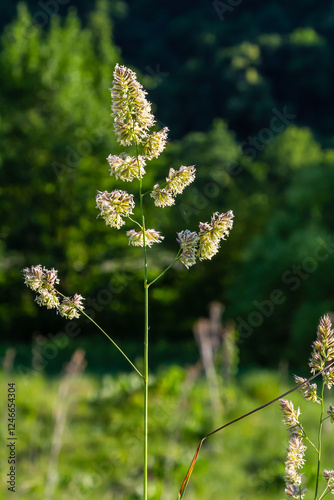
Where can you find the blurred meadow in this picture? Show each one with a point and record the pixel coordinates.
(247, 93)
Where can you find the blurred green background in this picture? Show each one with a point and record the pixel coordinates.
(247, 93)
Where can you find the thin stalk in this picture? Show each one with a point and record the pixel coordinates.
(163, 272)
(134, 221)
(111, 340)
(312, 444)
(324, 493)
(146, 393)
(190, 470)
(145, 378)
(319, 439)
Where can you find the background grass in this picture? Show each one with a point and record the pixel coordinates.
(101, 449)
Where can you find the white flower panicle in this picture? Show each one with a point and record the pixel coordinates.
(136, 238)
(295, 491)
(38, 278)
(47, 298)
(189, 243)
(42, 281)
(113, 206)
(125, 167)
(296, 450)
(162, 198)
(130, 108)
(309, 391)
(294, 462)
(323, 350)
(155, 144)
(329, 476)
(211, 234)
(176, 182)
(70, 307)
(291, 417)
(331, 413)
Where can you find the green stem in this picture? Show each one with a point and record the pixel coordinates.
(326, 491)
(135, 222)
(163, 272)
(146, 393)
(111, 340)
(312, 444)
(145, 336)
(319, 439)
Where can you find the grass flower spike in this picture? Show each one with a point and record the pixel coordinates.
(38, 278)
(47, 299)
(125, 167)
(211, 234)
(70, 307)
(114, 206)
(291, 417)
(188, 243)
(155, 144)
(323, 350)
(162, 197)
(331, 413)
(309, 391)
(130, 108)
(329, 476)
(295, 461)
(176, 182)
(136, 238)
(42, 281)
(133, 121)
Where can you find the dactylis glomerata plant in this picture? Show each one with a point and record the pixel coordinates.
(322, 356)
(133, 121)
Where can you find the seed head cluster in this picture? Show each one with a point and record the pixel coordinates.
(188, 243)
(323, 350)
(211, 234)
(296, 450)
(136, 238)
(130, 108)
(329, 476)
(114, 206)
(126, 168)
(308, 391)
(322, 356)
(133, 121)
(43, 281)
(176, 182)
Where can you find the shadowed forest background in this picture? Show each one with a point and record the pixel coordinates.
(247, 93)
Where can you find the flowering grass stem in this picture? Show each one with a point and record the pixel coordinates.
(190, 470)
(319, 439)
(111, 340)
(146, 328)
(163, 272)
(133, 122)
(135, 222)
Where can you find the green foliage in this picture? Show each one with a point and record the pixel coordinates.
(221, 80)
(107, 453)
